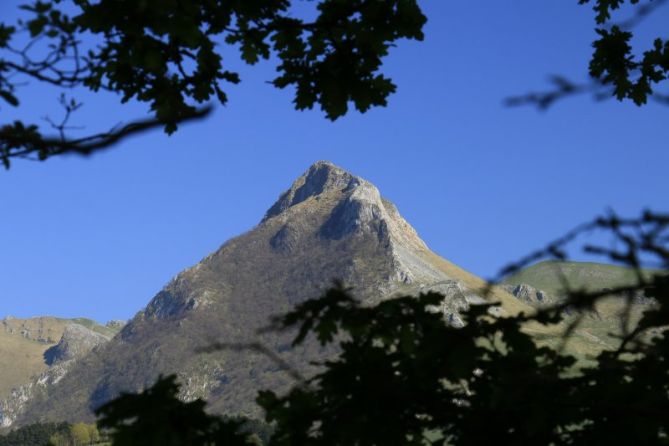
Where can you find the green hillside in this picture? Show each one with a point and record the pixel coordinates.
(555, 277)
(597, 329)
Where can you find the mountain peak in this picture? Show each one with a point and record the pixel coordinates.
(348, 206)
(328, 225)
(322, 177)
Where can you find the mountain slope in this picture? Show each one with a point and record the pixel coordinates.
(329, 225)
(23, 343)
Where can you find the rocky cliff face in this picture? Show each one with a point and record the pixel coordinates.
(328, 225)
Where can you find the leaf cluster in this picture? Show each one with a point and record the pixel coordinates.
(614, 61)
(617, 69)
(157, 416)
(169, 54)
(404, 376)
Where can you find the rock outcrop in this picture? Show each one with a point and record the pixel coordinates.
(531, 295)
(115, 324)
(76, 341)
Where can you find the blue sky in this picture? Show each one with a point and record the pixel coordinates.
(483, 184)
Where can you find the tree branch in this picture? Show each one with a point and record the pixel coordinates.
(15, 144)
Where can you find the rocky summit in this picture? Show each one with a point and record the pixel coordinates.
(329, 225)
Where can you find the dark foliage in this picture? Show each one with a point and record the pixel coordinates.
(168, 54)
(616, 69)
(37, 434)
(406, 377)
(156, 417)
(403, 375)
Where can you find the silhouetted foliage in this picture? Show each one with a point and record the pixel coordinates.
(168, 55)
(404, 376)
(616, 68)
(37, 434)
(157, 417)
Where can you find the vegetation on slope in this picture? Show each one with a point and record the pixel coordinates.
(37, 434)
(559, 277)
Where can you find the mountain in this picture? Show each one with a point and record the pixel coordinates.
(328, 225)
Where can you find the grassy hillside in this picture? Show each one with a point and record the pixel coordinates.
(597, 329)
(557, 278)
(553, 276)
(22, 346)
(24, 341)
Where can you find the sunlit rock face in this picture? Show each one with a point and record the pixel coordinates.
(76, 342)
(530, 294)
(323, 177)
(329, 225)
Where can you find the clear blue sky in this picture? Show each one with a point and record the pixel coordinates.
(482, 184)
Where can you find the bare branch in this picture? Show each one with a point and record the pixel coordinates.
(642, 12)
(15, 144)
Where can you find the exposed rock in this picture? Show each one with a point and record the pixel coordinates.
(361, 210)
(322, 176)
(529, 294)
(77, 340)
(115, 324)
(534, 296)
(177, 298)
(15, 404)
(286, 239)
(455, 300)
(640, 298)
